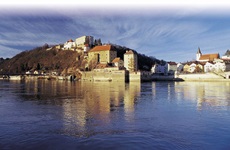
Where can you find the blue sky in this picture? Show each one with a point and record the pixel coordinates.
(168, 32)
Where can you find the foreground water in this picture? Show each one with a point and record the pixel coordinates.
(105, 115)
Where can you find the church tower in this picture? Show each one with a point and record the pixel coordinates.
(198, 54)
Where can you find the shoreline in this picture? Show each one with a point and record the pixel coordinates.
(203, 77)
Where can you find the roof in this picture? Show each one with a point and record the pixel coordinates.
(101, 66)
(116, 60)
(130, 52)
(210, 57)
(198, 52)
(227, 53)
(102, 48)
(70, 40)
(195, 62)
(172, 63)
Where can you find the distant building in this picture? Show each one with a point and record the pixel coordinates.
(69, 45)
(58, 46)
(86, 48)
(130, 61)
(186, 68)
(81, 42)
(164, 68)
(172, 67)
(102, 54)
(118, 62)
(218, 65)
(193, 67)
(226, 56)
(206, 57)
(180, 67)
(161, 68)
(209, 67)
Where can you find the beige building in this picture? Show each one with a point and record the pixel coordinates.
(130, 61)
(84, 40)
(102, 54)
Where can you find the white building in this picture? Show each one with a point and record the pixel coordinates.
(83, 40)
(217, 66)
(160, 68)
(172, 67)
(192, 67)
(180, 67)
(130, 61)
(69, 45)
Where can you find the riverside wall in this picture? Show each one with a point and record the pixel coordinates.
(114, 75)
(135, 77)
(201, 77)
(125, 76)
(190, 77)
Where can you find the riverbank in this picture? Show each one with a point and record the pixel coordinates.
(201, 77)
(123, 76)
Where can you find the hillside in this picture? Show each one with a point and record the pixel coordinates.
(40, 59)
(60, 61)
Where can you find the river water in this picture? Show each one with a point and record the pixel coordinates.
(42, 114)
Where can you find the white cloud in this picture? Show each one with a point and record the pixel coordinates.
(161, 35)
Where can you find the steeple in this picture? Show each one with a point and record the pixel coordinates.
(198, 54)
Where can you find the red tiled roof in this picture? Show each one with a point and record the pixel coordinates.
(172, 63)
(70, 40)
(116, 60)
(210, 57)
(102, 48)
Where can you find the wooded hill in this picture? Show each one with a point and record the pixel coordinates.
(61, 61)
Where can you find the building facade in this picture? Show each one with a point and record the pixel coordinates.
(84, 40)
(172, 67)
(102, 54)
(130, 61)
(70, 44)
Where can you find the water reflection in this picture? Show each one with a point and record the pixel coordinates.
(84, 104)
(204, 94)
(95, 103)
(102, 115)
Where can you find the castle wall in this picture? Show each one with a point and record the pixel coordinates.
(135, 77)
(114, 75)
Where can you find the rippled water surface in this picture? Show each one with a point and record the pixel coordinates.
(85, 115)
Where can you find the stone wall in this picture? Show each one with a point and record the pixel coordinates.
(118, 75)
(200, 77)
(135, 76)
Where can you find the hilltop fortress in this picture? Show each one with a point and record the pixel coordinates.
(102, 61)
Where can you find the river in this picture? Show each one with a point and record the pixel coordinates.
(42, 114)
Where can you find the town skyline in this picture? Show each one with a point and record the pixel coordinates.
(171, 34)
